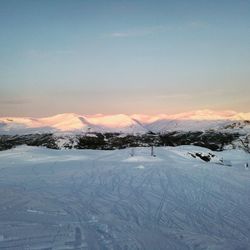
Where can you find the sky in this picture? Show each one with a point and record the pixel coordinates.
(123, 56)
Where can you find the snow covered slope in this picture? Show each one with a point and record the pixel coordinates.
(70, 122)
(86, 199)
(133, 124)
(201, 120)
(162, 126)
(117, 123)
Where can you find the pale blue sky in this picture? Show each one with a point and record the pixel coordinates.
(116, 56)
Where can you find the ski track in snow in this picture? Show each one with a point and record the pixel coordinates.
(171, 202)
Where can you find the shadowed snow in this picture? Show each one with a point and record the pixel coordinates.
(93, 199)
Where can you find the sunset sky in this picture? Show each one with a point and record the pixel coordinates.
(133, 56)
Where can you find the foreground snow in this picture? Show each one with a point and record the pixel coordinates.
(85, 199)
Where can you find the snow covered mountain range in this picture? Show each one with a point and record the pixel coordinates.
(206, 128)
(129, 124)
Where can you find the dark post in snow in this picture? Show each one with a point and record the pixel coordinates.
(132, 153)
(152, 151)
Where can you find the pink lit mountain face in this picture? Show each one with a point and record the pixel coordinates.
(121, 123)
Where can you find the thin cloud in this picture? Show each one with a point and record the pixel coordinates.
(139, 32)
(173, 96)
(41, 54)
(16, 101)
(197, 24)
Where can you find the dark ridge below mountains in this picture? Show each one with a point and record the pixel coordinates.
(213, 140)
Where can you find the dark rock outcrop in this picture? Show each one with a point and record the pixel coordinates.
(10, 141)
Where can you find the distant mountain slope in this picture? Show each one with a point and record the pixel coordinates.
(216, 131)
(65, 123)
(162, 126)
(200, 120)
(117, 123)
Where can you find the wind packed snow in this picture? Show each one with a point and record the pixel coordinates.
(86, 199)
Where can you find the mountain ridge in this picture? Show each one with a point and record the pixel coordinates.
(122, 123)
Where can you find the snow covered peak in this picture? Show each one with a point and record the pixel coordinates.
(117, 123)
(64, 122)
(205, 114)
(114, 121)
(70, 122)
(241, 116)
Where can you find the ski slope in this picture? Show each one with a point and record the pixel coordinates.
(86, 199)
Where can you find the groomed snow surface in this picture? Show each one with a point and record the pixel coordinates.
(86, 199)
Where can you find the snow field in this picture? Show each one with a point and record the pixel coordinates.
(171, 201)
